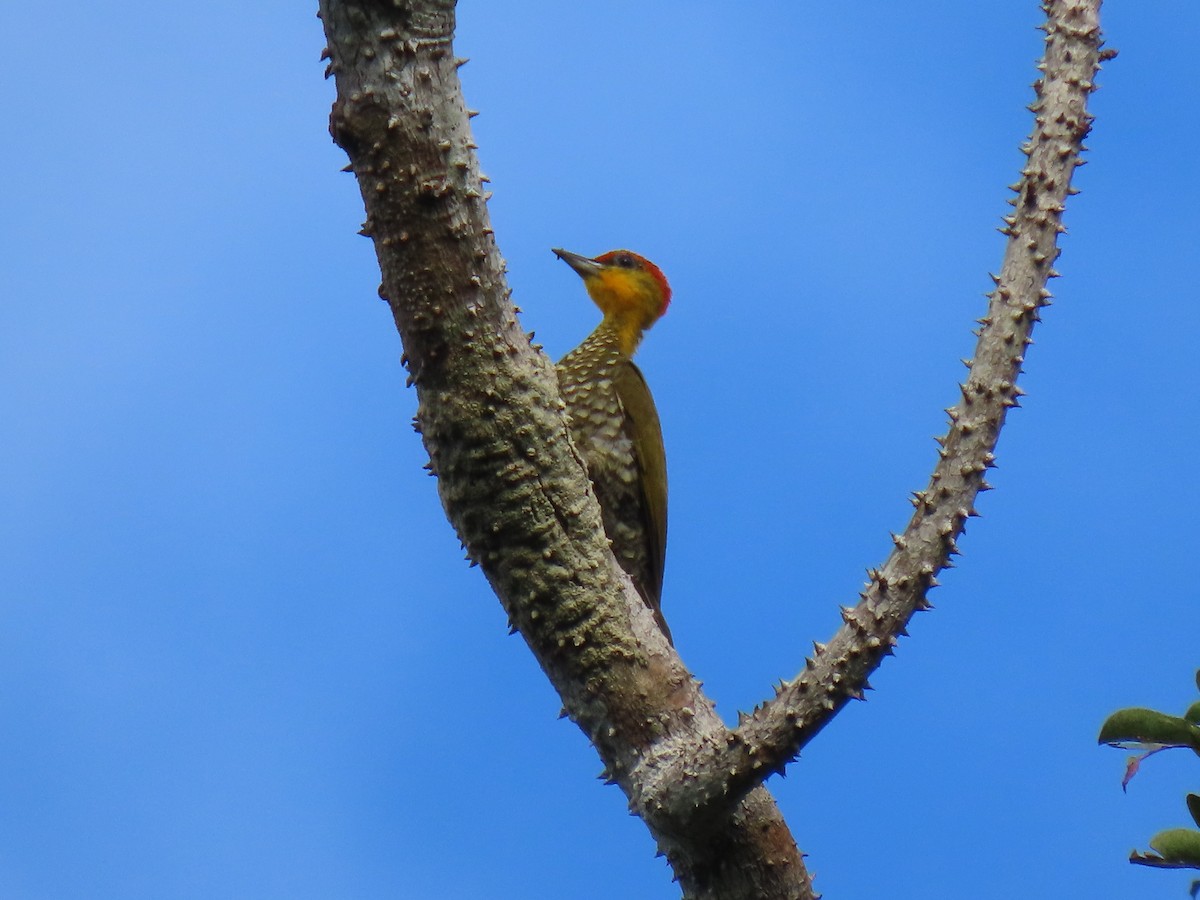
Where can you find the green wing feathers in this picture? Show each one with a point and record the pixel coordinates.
(645, 433)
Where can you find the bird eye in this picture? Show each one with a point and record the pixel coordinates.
(625, 261)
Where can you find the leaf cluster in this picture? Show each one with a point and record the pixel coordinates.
(1149, 731)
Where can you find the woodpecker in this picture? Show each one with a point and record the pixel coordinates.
(614, 424)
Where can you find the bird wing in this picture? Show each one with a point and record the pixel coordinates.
(645, 433)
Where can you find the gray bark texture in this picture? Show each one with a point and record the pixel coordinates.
(516, 491)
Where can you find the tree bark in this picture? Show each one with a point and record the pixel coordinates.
(516, 491)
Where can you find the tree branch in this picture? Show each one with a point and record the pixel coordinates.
(721, 771)
(494, 426)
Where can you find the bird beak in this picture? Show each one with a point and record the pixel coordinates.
(584, 267)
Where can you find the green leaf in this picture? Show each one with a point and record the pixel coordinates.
(1178, 847)
(1136, 725)
(1193, 805)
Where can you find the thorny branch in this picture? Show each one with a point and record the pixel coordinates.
(770, 737)
(494, 426)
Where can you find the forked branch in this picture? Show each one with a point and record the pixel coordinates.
(518, 496)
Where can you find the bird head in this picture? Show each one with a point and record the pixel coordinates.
(631, 291)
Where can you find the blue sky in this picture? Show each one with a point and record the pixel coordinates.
(240, 653)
